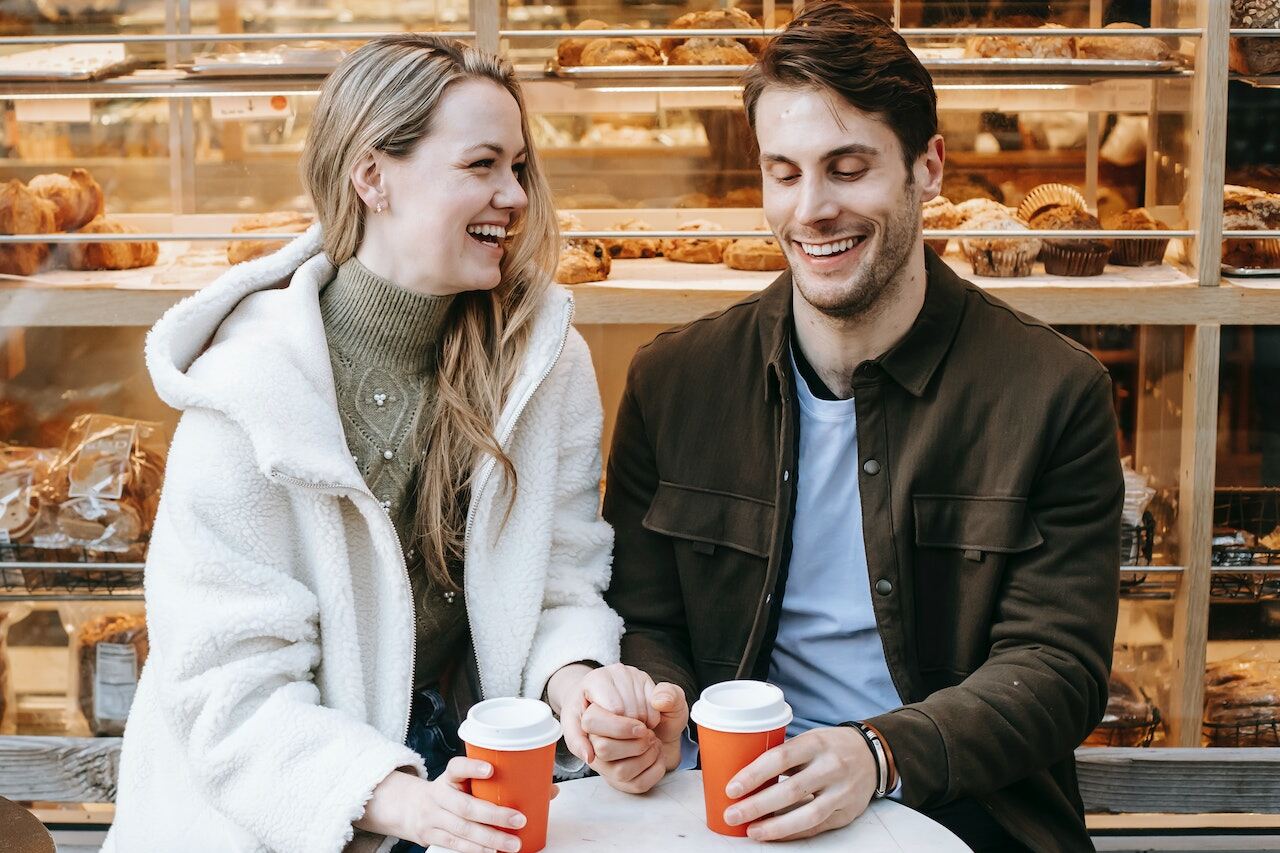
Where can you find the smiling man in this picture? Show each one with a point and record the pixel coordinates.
(871, 484)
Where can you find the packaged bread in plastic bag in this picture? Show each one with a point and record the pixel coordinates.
(9, 614)
(108, 644)
(24, 477)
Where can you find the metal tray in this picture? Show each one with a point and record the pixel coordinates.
(1250, 272)
(598, 72)
(997, 65)
(65, 62)
(265, 64)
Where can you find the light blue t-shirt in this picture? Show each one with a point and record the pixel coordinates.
(828, 658)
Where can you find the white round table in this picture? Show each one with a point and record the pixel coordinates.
(591, 816)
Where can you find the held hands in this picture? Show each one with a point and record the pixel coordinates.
(622, 724)
(831, 777)
(441, 811)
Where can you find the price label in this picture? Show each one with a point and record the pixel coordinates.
(251, 107)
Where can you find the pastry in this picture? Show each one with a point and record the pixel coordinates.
(1023, 47)
(1255, 54)
(24, 212)
(730, 18)
(939, 214)
(696, 250)
(621, 51)
(710, 51)
(633, 247)
(104, 700)
(77, 197)
(1236, 199)
(111, 256)
(1136, 253)
(1001, 257)
(962, 186)
(1045, 196)
(569, 51)
(582, 261)
(1129, 718)
(755, 254)
(978, 206)
(694, 200)
(1124, 47)
(1071, 256)
(742, 197)
(277, 222)
(1249, 252)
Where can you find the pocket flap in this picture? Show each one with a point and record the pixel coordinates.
(713, 517)
(996, 525)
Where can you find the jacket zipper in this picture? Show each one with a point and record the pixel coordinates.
(404, 571)
(491, 463)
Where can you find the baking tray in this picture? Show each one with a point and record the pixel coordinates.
(1052, 66)
(265, 64)
(1250, 272)
(65, 62)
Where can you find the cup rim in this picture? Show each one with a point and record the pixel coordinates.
(772, 712)
(510, 724)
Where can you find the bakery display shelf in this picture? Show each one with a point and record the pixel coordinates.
(52, 769)
(163, 83)
(1191, 780)
(69, 574)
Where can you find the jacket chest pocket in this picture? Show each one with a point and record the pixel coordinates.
(963, 543)
(721, 543)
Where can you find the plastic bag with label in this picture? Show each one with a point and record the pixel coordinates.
(108, 649)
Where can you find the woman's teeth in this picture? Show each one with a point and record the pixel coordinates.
(819, 250)
(488, 233)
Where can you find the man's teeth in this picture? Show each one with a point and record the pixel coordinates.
(488, 231)
(820, 249)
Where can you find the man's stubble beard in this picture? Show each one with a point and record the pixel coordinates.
(876, 280)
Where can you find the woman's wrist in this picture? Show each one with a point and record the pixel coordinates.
(386, 810)
(564, 680)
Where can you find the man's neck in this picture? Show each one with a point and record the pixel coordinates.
(835, 346)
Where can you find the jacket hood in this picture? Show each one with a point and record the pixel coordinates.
(252, 346)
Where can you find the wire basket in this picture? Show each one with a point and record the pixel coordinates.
(1254, 511)
(25, 568)
(1126, 732)
(1137, 541)
(1264, 731)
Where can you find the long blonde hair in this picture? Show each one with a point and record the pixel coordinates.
(383, 97)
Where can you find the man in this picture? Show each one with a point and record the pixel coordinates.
(872, 485)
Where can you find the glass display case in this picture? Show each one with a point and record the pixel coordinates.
(189, 117)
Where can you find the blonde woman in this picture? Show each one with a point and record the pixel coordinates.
(382, 497)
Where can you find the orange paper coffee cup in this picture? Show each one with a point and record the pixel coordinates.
(738, 721)
(518, 738)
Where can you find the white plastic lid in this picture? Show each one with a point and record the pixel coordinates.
(510, 724)
(741, 706)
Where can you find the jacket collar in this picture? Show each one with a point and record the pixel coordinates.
(252, 346)
(913, 360)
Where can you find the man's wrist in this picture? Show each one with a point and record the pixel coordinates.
(881, 757)
(893, 780)
(571, 673)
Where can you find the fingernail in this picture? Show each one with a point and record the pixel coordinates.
(732, 816)
(734, 790)
(486, 771)
(636, 731)
(518, 821)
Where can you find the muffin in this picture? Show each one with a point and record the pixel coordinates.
(1022, 47)
(633, 247)
(1000, 257)
(696, 250)
(1136, 253)
(1125, 47)
(1255, 55)
(1045, 196)
(1249, 252)
(621, 51)
(939, 213)
(582, 261)
(755, 254)
(978, 206)
(1071, 256)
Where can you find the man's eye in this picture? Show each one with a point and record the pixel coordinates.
(848, 176)
(786, 179)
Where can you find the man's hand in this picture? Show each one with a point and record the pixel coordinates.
(831, 777)
(634, 759)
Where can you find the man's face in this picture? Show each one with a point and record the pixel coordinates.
(838, 196)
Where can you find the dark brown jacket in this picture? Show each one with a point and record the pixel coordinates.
(991, 493)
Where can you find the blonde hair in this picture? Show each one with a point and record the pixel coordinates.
(383, 97)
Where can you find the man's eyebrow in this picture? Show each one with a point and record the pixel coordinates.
(851, 148)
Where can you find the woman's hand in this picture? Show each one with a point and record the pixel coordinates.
(622, 690)
(441, 811)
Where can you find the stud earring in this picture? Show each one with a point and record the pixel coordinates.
(379, 208)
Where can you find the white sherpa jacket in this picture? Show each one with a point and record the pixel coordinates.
(277, 691)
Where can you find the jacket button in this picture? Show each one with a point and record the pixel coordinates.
(884, 586)
(871, 466)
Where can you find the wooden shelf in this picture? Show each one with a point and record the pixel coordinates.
(662, 292)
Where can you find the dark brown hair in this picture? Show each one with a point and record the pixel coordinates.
(835, 45)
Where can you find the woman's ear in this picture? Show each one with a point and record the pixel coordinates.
(367, 178)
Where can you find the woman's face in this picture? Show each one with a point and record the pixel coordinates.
(452, 199)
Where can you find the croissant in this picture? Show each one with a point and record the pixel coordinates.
(281, 222)
(78, 197)
(24, 212)
(111, 256)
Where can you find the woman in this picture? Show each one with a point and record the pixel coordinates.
(387, 463)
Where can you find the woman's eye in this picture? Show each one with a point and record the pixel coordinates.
(482, 164)
(519, 168)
